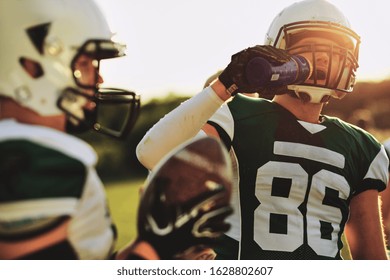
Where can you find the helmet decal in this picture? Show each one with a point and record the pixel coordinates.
(37, 35)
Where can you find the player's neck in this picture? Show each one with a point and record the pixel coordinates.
(305, 111)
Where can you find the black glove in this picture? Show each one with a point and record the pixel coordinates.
(173, 228)
(234, 77)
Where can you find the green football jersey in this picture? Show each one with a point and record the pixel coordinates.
(46, 175)
(294, 180)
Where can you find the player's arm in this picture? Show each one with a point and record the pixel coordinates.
(49, 241)
(385, 197)
(137, 250)
(178, 126)
(385, 205)
(364, 230)
(187, 120)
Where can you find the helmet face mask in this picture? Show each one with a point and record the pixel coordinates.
(65, 40)
(314, 29)
(91, 107)
(341, 50)
(109, 111)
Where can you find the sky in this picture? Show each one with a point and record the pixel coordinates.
(175, 45)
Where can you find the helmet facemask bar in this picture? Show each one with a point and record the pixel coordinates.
(343, 80)
(345, 47)
(113, 111)
(117, 111)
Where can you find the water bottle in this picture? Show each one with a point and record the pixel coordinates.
(262, 73)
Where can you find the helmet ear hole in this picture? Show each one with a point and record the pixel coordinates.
(33, 68)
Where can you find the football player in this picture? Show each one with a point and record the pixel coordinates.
(185, 201)
(52, 202)
(303, 178)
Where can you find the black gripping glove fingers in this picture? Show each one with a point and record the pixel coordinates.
(234, 77)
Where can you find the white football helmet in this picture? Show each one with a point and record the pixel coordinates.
(54, 35)
(318, 18)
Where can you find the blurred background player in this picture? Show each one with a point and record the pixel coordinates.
(52, 202)
(304, 178)
(185, 201)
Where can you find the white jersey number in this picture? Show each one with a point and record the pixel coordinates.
(288, 205)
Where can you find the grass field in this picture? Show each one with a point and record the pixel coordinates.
(123, 202)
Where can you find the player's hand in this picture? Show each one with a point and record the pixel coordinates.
(173, 228)
(234, 75)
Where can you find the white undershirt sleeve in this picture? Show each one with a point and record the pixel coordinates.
(178, 126)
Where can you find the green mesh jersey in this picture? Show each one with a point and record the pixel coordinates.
(295, 180)
(46, 174)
